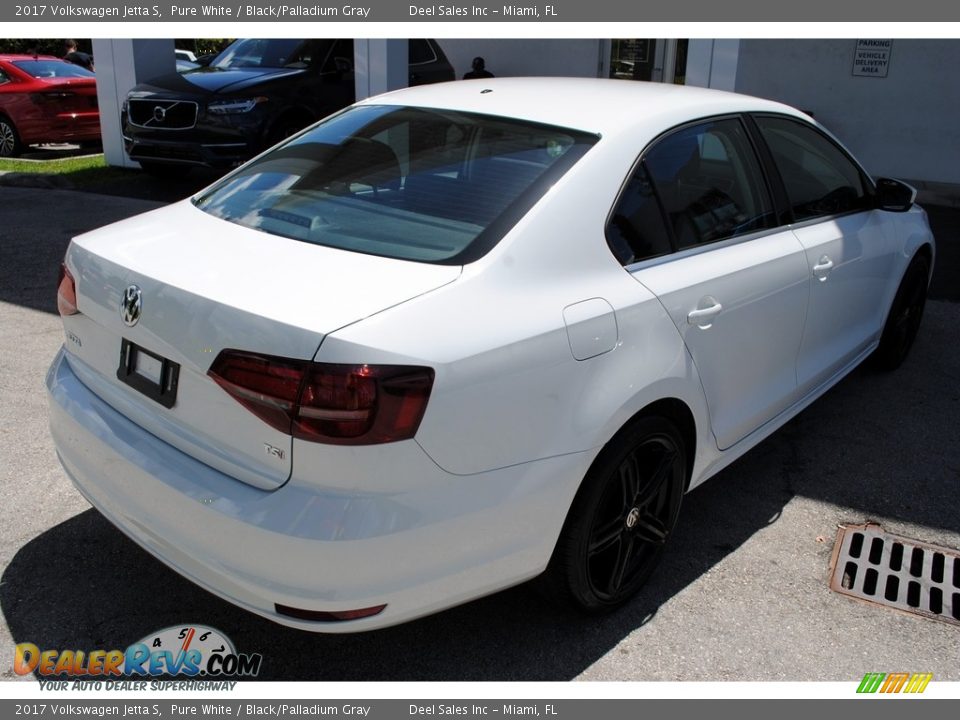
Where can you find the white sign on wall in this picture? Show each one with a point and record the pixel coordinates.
(872, 58)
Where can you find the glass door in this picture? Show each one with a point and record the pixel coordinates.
(649, 59)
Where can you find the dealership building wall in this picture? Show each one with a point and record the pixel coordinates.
(903, 125)
(537, 57)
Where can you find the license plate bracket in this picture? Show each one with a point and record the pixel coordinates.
(148, 373)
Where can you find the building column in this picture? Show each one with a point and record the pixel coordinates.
(713, 63)
(379, 66)
(121, 64)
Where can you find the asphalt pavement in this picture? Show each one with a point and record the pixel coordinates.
(742, 593)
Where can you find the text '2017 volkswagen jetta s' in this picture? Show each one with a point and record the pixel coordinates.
(457, 336)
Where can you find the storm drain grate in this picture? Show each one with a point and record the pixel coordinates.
(896, 572)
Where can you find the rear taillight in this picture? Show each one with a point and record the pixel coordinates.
(323, 402)
(66, 292)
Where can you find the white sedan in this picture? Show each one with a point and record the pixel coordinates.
(462, 335)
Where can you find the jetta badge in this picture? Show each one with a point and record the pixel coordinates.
(130, 305)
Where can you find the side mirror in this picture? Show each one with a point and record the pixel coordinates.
(894, 195)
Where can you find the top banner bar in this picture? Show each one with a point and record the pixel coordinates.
(577, 11)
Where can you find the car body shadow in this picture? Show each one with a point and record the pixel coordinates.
(84, 585)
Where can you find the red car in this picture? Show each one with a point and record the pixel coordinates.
(45, 100)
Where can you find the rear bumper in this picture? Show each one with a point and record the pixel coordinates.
(64, 127)
(437, 541)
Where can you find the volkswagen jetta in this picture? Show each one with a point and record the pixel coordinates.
(458, 336)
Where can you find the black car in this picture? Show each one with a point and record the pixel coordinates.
(251, 96)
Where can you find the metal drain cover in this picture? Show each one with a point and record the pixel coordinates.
(909, 575)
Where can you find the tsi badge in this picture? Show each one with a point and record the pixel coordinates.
(185, 650)
(130, 305)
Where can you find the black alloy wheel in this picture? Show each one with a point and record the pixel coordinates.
(622, 517)
(906, 312)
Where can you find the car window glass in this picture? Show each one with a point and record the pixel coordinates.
(420, 52)
(416, 184)
(265, 53)
(709, 182)
(636, 230)
(819, 178)
(3, 77)
(340, 57)
(52, 69)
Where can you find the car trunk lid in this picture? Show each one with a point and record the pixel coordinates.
(204, 286)
(62, 96)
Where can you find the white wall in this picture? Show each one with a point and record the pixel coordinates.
(906, 125)
(379, 66)
(712, 63)
(531, 57)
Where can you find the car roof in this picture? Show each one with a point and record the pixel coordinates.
(594, 105)
(10, 57)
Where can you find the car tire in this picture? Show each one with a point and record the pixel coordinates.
(905, 315)
(164, 171)
(621, 518)
(10, 145)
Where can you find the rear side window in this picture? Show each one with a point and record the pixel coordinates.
(409, 183)
(698, 185)
(52, 69)
(636, 230)
(819, 177)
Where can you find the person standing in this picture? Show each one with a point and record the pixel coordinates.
(479, 71)
(73, 55)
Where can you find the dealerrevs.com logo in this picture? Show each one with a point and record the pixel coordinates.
(191, 650)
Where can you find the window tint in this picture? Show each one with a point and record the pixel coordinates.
(819, 177)
(339, 58)
(52, 69)
(636, 230)
(267, 53)
(698, 185)
(434, 186)
(420, 52)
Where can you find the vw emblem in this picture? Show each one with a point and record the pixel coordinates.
(130, 305)
(159, 113)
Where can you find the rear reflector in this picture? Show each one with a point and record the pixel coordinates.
(328, 616)
(324, 402)
(66, 292)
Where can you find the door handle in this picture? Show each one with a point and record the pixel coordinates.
(823, 267)
(703, 317)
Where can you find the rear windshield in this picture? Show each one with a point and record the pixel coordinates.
(428, 185)
(52, 69)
